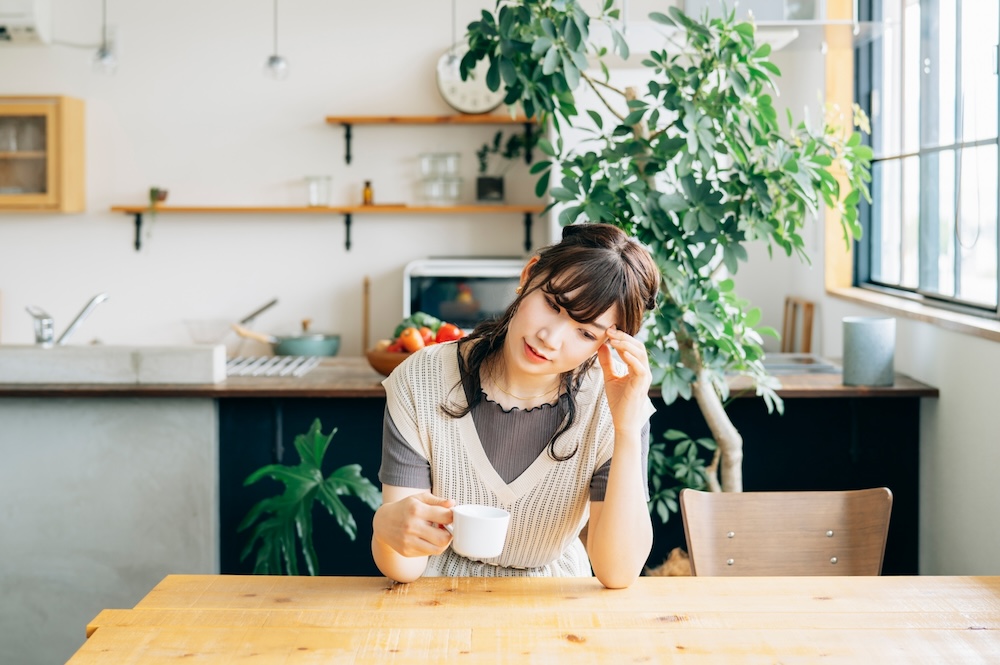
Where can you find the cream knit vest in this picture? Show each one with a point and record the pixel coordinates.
(549, 502)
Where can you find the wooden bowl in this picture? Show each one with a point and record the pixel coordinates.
(384, 362)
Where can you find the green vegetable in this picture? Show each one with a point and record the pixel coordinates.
(418, 320)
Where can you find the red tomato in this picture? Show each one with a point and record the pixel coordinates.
(448, 332)
(411, 340)
(395, 347)
(427, 335)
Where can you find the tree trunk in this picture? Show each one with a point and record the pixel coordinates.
(725, 434)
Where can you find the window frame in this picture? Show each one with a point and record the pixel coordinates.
(859, 285)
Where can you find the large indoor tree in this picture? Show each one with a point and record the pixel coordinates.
(695, 164)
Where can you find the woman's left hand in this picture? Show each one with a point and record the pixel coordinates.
(628, 393)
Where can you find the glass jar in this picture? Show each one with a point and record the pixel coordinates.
(318, 187)
(441, 191)
(439, 164)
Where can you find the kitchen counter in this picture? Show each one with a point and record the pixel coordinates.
(353, 377)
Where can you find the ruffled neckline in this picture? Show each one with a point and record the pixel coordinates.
(550, 405)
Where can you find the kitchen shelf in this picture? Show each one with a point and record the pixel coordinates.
(347, 211)
(348, 121)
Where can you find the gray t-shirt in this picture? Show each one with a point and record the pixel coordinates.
(512, 440)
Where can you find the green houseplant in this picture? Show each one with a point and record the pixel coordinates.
(490, 181)
(694, 164)
(279, 520)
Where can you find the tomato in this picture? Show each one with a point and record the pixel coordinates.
(427, 335)
(411, 340)
(448, 332)
(395, 347)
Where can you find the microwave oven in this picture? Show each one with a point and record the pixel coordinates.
(463, 291)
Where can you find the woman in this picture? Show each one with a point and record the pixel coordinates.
(520, 416)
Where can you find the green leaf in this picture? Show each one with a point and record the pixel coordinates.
(551, 62)
(278, 520)
(542, 185)
(660, 17)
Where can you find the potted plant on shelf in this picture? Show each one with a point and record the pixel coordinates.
(495, 158)
(694, 164)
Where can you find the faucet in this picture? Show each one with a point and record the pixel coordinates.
(45, 328)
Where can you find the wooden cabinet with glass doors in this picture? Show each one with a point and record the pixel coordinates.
(41, 154)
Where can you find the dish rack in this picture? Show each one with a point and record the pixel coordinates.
(271, 365)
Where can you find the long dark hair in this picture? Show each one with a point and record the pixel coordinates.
(605, 268)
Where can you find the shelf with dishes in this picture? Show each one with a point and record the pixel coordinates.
(528, 210)
(349, 121)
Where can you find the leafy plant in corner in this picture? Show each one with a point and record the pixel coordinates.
(694, 163)
(280, 519)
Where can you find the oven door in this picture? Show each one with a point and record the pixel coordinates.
(461, 291)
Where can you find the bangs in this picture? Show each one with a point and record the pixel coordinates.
(597, 286)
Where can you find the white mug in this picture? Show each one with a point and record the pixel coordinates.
(478, 532)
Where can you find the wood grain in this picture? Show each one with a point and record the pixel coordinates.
(223, 619)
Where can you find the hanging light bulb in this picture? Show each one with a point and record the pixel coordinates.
(276, 66)
(105, 59)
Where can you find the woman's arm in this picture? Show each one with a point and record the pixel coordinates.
(405, 531)
(620, 534)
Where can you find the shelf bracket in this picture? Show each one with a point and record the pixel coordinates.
(347, 232)
(138, 231)
(527, 231)
(528, 129)
(347, 142)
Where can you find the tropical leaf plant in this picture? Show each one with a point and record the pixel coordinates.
(694, 163)
(279, 521)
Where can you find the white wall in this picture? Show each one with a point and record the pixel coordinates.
(191, 111)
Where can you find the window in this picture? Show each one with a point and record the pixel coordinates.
(928, 80)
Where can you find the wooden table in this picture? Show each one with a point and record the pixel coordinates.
(289, 620)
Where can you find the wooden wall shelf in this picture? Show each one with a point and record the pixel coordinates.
(348, 121)
(347, 211)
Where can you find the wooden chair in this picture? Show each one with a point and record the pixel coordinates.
(786, 533)
(796, 308)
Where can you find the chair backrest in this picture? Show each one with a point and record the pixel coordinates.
(795, 309)
(786, 533)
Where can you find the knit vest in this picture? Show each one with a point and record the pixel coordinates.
(548, 503)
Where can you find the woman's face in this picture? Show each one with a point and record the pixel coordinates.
(543, 338)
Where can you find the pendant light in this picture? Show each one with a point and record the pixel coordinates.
(276, 66)
(105, 58)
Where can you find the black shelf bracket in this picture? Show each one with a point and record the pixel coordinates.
(527, 231)
(347, 232)
(138, 230)
(528, 130)
(347, 142)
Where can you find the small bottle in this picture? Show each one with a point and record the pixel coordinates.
(367, 196)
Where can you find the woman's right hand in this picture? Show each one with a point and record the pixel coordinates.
(409, 521)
